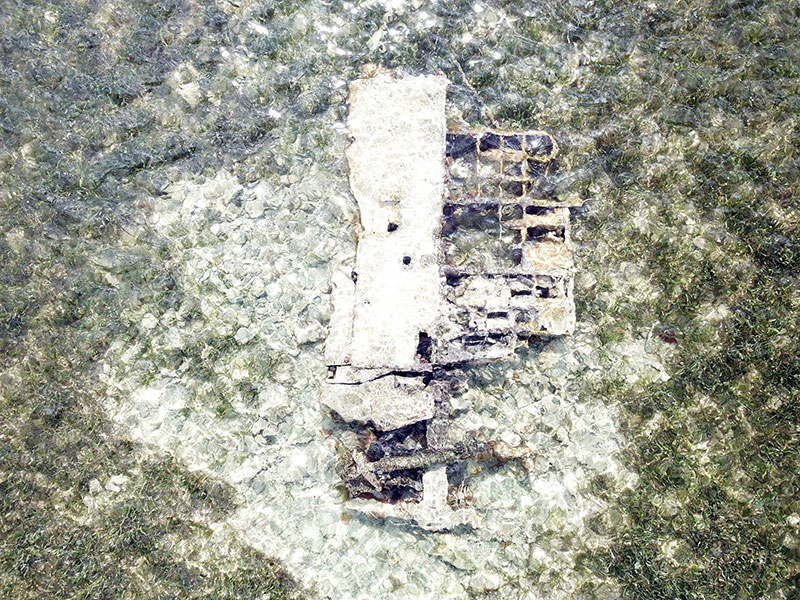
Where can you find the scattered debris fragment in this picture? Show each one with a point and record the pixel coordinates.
(462, 257)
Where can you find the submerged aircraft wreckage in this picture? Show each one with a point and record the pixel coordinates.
(461, 258)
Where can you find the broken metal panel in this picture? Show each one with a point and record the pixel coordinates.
(397, 125)
(394, 302)
(390, 402)
(340, 328)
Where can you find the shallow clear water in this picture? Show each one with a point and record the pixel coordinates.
(175, 192)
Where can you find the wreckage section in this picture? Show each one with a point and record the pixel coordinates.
(397, 128)
(387, 304)
(460, 259)
(507, 259)
(499, 164)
